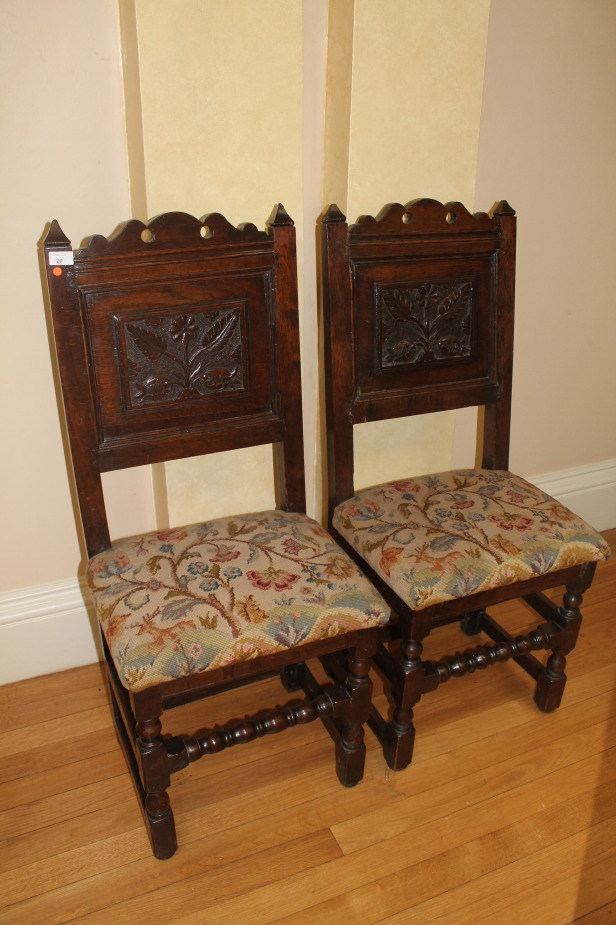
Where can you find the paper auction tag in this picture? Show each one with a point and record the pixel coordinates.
(60, 258)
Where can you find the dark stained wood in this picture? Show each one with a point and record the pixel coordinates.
(117, 312)
(464, 357)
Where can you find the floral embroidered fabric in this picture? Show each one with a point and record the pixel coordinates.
(445, 536)
(191, 599)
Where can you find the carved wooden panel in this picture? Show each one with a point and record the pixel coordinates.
(424, 323)
(180, 357)
(169, 356)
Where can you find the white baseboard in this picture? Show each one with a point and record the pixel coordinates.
(44, 629)
(48, 628)
(589, 491)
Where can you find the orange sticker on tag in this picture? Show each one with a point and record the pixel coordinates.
(57, 271)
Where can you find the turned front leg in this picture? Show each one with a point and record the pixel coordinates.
(351, 749)
(550, 687)
(155, 776)
(406, 688)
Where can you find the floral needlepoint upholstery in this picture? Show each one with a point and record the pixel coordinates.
(445, 536)
(187, 600)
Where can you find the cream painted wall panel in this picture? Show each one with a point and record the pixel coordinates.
(62, 156)
(417, 80)
(417, 86)
(315, 16)
(338, 102)
(548, 145)
(221, 85)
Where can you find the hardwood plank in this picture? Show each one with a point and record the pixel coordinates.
(39, 814)
(60, 684)
(205, 845)
(41, 756)
(444, 883)
(566, 901)
(36, 700)
(55, 781)
(474, 785)
(87, 829)
(54, 731)
(159, 904)
(555, 866)
(345, 874)
(549, 900)
(224, 804)
(606, 915)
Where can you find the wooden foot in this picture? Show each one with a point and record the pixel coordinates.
(350, 749)
(160, 825)
(155, 778)
(350, 764)
(399, 739)
(551, 683)
(550, 687)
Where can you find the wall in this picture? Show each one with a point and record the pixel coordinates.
(221, 91)
(413, 131)
(548, 145)
(216, 91)
(258, 58)
(63, 156)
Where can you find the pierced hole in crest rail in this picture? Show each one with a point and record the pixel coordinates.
(147, 236)
(450, 218)
(407, 218)
(206, 231)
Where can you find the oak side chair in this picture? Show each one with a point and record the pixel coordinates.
(180, 338)
(418, 317)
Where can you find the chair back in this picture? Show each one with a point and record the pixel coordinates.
(418, 307)
(177, 338)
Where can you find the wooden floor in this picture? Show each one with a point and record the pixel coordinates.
(507, 815)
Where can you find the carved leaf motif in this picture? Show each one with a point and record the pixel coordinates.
(191, 354)
(450, 345)
(148, 342)
(407, 352)
(453, 299)
(425, 323)
(220, 332)
(399, 304)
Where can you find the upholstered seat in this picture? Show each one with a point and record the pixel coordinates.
(452, 534)
(170, 605)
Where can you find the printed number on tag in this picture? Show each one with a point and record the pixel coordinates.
(60, 258)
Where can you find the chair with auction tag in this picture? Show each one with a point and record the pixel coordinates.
(418, 313)
(176, 339)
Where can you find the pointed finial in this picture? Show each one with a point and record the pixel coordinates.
(503, 208)
(333, 214)
(55, 237)
(280, 216)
